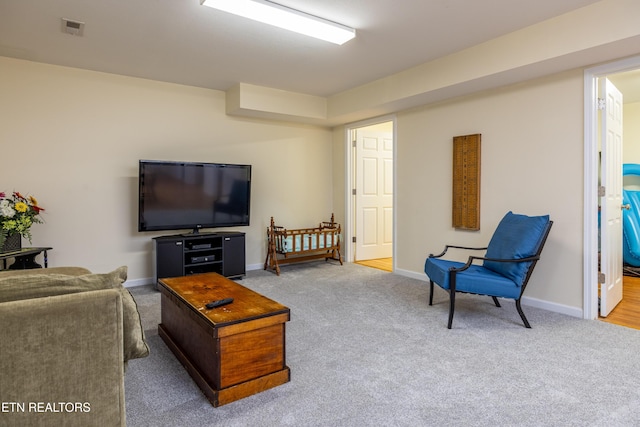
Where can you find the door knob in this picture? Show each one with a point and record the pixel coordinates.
(626, 207)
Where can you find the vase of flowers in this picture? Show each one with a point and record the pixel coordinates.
(17, 214)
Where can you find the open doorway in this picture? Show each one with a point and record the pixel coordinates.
(600, 249)
(370, 193)
(625, 312)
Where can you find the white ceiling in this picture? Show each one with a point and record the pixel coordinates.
(181, 41)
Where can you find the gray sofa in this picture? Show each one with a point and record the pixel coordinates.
(65, 338)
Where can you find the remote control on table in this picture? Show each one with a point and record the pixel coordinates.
(214, 304)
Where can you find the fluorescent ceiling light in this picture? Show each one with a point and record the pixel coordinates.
(284, 17)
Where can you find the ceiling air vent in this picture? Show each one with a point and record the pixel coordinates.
(75, 28)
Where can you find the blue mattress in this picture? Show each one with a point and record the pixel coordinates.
(306, 242)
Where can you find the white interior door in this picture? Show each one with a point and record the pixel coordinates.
(374, 194)
(611, 204)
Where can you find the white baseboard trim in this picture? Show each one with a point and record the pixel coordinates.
(138, 282)
(552, 306)
(412, 274)
(527, 301)
(149, 280)
(252, 267)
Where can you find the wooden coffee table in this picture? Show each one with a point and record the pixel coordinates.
(232, 351)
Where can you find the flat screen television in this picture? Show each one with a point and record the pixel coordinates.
(189, 195)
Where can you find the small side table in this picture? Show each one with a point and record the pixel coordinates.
(25, 258)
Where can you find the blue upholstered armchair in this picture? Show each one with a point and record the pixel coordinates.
(506, 267)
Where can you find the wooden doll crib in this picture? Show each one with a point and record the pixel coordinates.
(303, 244)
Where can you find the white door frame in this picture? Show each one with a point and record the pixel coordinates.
(349, 203)
(590, 249)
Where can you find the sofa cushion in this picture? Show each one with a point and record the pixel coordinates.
(517, 236)
(41, 284)
(475, 280)
(69, 271)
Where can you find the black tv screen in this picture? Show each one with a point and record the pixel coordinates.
(188, 195)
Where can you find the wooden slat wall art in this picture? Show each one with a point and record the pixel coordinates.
(466, 182)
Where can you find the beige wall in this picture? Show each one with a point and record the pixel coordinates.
(73, 138)
(532, 163)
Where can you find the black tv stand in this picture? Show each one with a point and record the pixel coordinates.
(183, 254)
